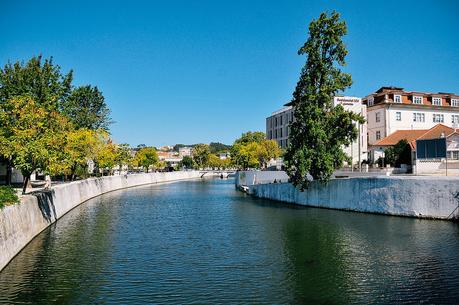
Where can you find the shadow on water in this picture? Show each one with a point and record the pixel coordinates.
(46, 204)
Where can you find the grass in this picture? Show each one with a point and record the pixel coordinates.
(8, 196)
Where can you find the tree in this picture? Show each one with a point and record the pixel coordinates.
(245, 155)
(398, 154)
(201, 154)
(146, 157)
(216, 147)
(187, 162)
(86, 108)
(250, 136)
(320, 130)
(32, 137)
(81, 147)
(106, 155)
(39, 80)
(214, 161)
(267, 150)
(123, 155)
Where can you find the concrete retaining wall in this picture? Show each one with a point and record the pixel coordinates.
(20, 223)
(259, 177)
(425, 197)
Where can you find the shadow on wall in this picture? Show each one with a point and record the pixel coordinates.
(45, 200)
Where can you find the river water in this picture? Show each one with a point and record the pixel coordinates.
(202, 242)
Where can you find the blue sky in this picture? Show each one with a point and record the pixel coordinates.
(201, 71)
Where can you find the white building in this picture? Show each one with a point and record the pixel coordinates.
(391, 109)
(358, 149)
(277, 126)
(185, 151)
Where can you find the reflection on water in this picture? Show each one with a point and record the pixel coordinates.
(203, 242)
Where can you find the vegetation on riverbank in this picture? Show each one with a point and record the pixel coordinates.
(320, 129)
(50, 125)
(8, 196)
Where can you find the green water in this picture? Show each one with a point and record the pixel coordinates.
(202, 242)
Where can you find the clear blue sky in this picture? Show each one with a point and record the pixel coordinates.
(201, 71)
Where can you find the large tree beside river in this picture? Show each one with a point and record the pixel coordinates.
(320, 130)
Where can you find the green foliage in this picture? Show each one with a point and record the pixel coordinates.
(201, 153)
(320, 130)
(39, 80)
(216, 147)
(252, 150)
(146, 157)
(187, 162)
(398, 154)
(32, 136)
(8, 196)
(247, 137)
(86, 108)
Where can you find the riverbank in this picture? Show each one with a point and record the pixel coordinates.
(20, 223)
(412, 196)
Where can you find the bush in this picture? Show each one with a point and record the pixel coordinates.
(8, 196)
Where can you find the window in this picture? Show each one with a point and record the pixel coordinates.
(398, 116)
(281, 120)
(378, 135)
(455, 119)
(455, 102)
(417, 99)
(377, 117)
(280, 132)
(275, 122)
(371, 101)
(419, 117)
(453, 154)
(397, 98)
(275, 133)
(270, 134)
(436, 101)
(438, 118)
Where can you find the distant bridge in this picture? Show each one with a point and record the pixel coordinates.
(218, 173)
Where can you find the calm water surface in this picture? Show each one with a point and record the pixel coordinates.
(202, 242)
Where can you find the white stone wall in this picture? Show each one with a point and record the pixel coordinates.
(20, 223)
(429, 197)
(246, 178)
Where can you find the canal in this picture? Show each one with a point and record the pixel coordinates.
(202, 242)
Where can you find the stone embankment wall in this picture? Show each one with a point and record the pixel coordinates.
(424, 197)
(20, 223)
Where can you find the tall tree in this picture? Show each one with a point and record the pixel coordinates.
(146, 157)
(33, 137)
(86, 108)
(38, 79)
(201, 153)
(320, 130)
(247, 137)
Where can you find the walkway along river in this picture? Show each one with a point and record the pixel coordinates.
(204, 242)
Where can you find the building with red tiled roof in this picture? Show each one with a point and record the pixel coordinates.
(438, 131)
(392, 108)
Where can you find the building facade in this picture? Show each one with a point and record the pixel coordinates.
(357, 150)
(277, 126)
(391, 108)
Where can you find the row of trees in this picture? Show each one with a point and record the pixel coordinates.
(251, 150)
(52, 126)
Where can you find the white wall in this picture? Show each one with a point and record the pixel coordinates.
(20, 223)
(247, 178)
(430, 197)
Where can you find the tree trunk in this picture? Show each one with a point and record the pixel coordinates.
(9, 173)
(25, 184)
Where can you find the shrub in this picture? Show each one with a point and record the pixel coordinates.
(8, 196)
